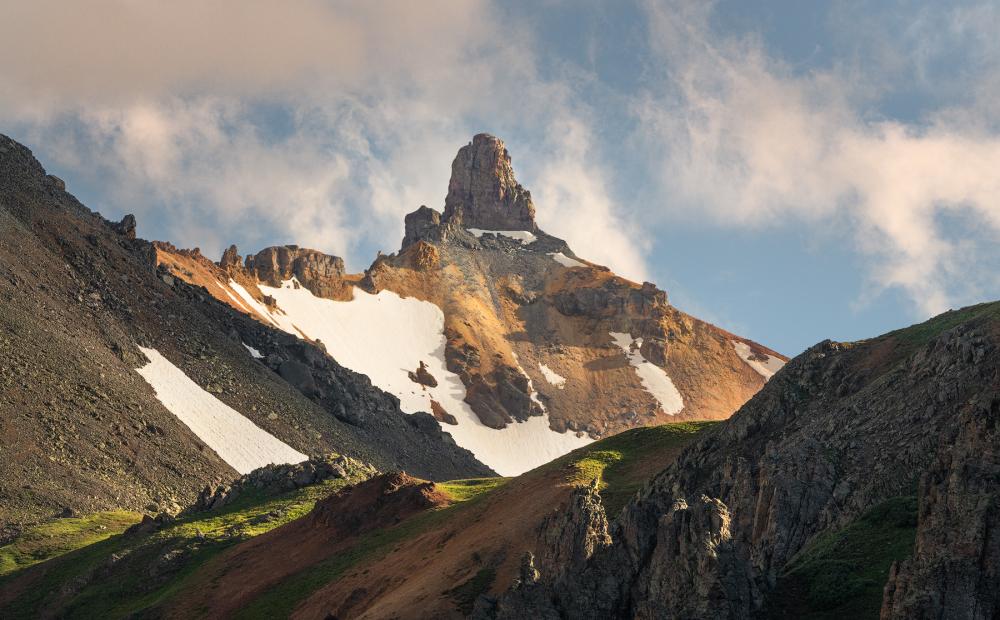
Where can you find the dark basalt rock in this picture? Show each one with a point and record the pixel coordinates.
(275, 479)
(956, 565)
(299, 375)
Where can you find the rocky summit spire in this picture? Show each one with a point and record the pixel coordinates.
(483, 192)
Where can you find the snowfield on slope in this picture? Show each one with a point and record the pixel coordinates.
(766, 367)
(654, 379)
(251, 303)
(386, 336)
(518, 235)
(237, 440)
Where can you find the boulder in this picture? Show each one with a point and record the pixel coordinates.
(299, 376)
(423, 376)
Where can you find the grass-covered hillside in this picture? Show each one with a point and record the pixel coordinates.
(264, 556)
(63, 566)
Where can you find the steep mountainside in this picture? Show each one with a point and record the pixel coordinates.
(824, 453)
(124, 387)
(522, 349)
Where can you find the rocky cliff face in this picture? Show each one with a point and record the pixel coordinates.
(955, 566)
(483, 192)
(842, 428)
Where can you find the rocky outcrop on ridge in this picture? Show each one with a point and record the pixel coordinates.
(840, 429)
(378, 502)
(321, 273)
(275, 479)
(424, 224)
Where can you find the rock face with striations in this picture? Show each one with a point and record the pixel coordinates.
(955, 567)
(321, 273)
(483, 192)
(841, 429)
(567, 539)
(230, 258)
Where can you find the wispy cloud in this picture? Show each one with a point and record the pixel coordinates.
(574, 198)
(743, 139)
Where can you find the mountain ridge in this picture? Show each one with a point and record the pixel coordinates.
(533, 333)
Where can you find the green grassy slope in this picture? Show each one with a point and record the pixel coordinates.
(625, 462)
(841, 574)
(147, 568)
(50, 540)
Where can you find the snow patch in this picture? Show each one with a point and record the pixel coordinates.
(254, 353)
(532, 394)
(237, 440)
(552, 376)
(518, 235)
(654, 379)
(252, 303)
(385, 336)
(565, 261)
(765, 368)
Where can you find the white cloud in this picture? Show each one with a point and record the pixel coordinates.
(573, 201)
(744, 140)
(165, 106)
(212, 173)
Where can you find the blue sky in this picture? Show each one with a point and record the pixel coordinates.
(791, 171)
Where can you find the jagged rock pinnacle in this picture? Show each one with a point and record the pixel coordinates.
(231, 258)
(420, 225)
(483, 192)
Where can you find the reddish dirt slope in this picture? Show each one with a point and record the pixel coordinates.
(237, 576)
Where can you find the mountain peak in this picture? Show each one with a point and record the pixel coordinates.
(483, 192)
